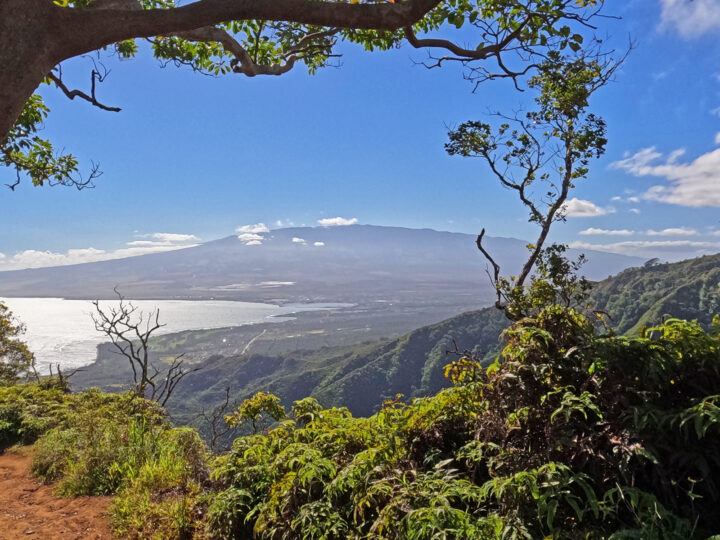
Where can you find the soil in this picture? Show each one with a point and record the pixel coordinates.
(29, 509)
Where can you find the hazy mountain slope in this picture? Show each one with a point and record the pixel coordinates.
(354, 263)
(358, 377)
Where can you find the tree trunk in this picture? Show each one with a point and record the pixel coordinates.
(26, 54)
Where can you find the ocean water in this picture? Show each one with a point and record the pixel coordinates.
(62, 331)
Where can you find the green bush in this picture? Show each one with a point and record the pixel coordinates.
(28, 410)
(99, 441)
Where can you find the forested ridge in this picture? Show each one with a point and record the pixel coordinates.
(360, 377)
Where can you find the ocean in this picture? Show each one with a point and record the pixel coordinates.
(61, 331)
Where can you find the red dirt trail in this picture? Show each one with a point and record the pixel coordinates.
(29, 509)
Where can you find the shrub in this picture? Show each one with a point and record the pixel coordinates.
(97, 441)
(163, 498)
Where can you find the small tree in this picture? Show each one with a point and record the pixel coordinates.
(541, 156)
(130, 330)
(254, 409)
(16, 360)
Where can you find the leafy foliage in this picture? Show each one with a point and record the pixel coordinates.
(516, 33)
(16, 360)
(28, 154)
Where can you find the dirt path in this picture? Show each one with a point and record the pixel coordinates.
(29, 509)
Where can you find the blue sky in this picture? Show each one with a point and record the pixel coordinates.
(192, 158)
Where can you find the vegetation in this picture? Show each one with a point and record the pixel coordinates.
(542, 155)
(129, 331)
(569, 434)
(16, 360)
(360, 377)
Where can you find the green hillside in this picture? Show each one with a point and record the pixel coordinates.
(361, 376)
(643, 296)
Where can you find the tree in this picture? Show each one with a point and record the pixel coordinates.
(16, 360)
(130, 330)
(541, 156)
(252, 37)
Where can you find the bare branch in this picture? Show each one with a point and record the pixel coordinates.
(95, 76)
(129, 331)
(496, 269)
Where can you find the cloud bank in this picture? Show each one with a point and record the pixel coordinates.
(693, 183)
(690, 19)
(31, 258)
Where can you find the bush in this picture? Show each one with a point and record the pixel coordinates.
(99, 440)
(27, 410)
(163, 498)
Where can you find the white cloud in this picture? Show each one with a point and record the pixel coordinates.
(250, 239)
(695, 183)
(145, 243)
(254, 228)
(635, 210)
(673, 231)
(337, 221)
(715, 111)
(580, 208)
(297, 240)
(690, 18)
(608, 232)
(174, 238)
(319, 244)
(32, 258)
(668, 249)
(717, 138)
(616, 198)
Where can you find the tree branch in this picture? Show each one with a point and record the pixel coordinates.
(91, 29)
(72, 94)
(244, 63)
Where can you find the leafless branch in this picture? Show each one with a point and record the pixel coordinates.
(496, 270)
(129, 331)
(216, 420)
(246, 63)
(95, 77)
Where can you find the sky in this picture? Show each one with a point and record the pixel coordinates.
(192, 158)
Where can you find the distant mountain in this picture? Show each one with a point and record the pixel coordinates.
(359, 263)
